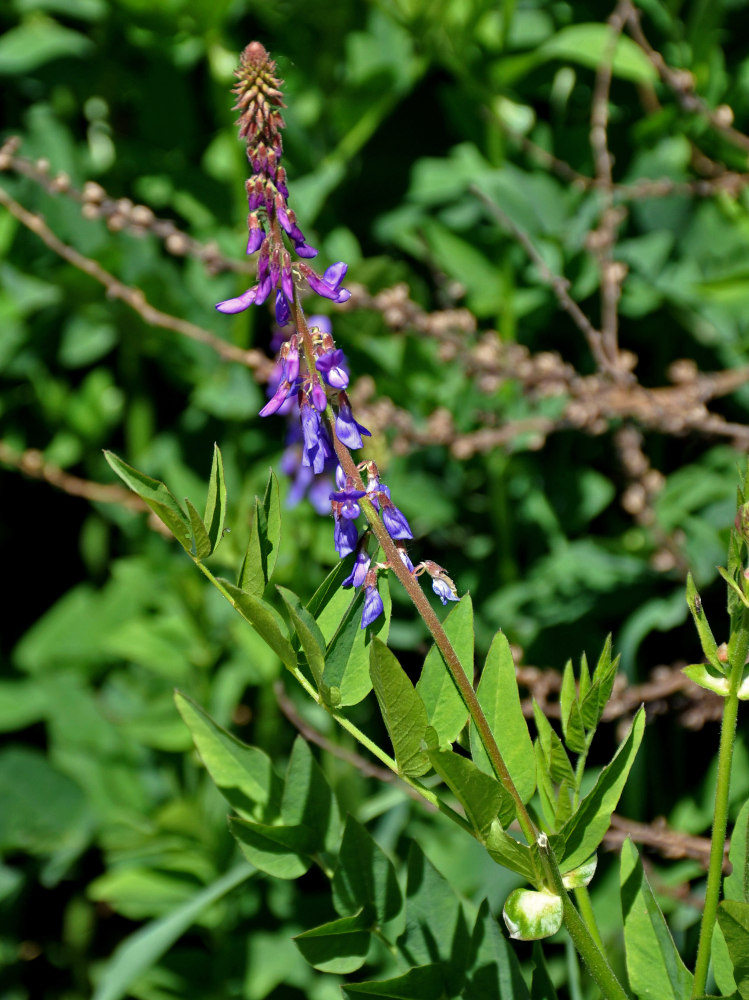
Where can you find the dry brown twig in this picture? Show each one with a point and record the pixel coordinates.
(681, 82)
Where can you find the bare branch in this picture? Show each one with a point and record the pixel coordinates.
(134, 297)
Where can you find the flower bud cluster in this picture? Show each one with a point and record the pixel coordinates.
(272, 224)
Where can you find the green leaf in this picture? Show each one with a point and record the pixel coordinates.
(215, 504)
(704, 675)
(402, 710)
(733, 918)
(339, 946)
(43, 810)
(281, 851)
(707, 640)
(308, 800)
(365, 878)
(736, 885)
(325, 594)
(243, 774)
(735, 588)
(266, 621)
(552, 767)
(41, 40)
(542, 987)
(417, 984)
(140, 951)
(158, 497)
(201, 541)
(262, 546)
(310, 636)
(598, 692)
(584, 831)
(480, 794)
(582, 875)
(654, 966)
(435, 923)
(492, 971)
(499, 698)
(348, 654)
(530, 915)
(446, 710)
(253, 573)
(510, 853)
(572, 721)
(588, 44)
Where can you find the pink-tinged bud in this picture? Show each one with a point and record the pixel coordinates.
(742, 521)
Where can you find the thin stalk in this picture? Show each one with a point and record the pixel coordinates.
(585, 907)
(738, 647)
(423, 606)
(591, 953)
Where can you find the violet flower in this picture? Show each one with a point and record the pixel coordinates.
(394, 519)
(330, 366)
(345, 535)
(442, 590)
(347, 429)
(348, 502)
(359, 572)
(373, 606)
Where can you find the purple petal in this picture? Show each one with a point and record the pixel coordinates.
(345, 536)
(395, 522)
(372, 606)
(305, 250)
(255, 240)
(319, 399)
(240, 303)
(442, 590)
(335, 274)
(283, 313)
(356, 577)
(322, 323)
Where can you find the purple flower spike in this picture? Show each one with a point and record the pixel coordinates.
(372, 605)
(330, 365)
(240, 303)
(348, 430)
(359, 572)
(345, 536)
(442, 590)
(394, 520)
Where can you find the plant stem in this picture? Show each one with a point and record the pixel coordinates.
(423, 606)
(738, 647)
(586, 912)
(587, 947)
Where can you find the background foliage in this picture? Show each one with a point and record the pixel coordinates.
(395, 109)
